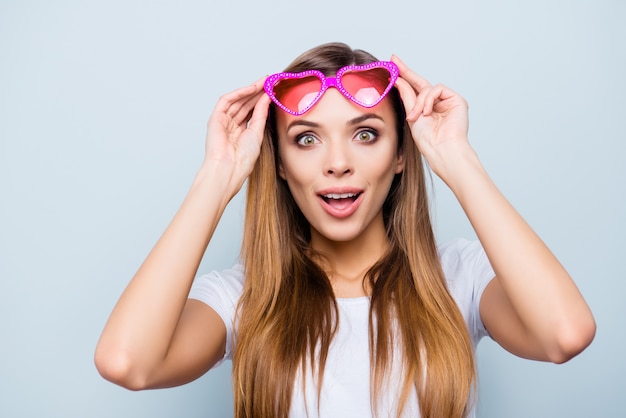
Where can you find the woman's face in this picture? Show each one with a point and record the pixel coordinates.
(339, 160)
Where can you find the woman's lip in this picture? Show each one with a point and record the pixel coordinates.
(344, 211)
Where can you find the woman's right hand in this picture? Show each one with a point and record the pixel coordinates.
(235, 131)
(155, 336)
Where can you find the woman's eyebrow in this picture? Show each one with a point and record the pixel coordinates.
(355, 121)
(363, 118)
(301, 122)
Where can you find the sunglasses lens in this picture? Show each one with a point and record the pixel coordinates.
(297, 94)
(367, 86)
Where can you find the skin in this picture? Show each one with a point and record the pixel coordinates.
(532, 307)
(156, 337)
(337, 147)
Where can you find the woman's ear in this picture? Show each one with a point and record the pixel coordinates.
(400, 162)
(281, 170)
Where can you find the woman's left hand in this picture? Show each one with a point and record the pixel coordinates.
(438, 118)
(532, 307)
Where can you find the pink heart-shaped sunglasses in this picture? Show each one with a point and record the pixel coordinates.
(365, 85)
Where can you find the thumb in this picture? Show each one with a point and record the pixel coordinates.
(408, 96)
(259, 116)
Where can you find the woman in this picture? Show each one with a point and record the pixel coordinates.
(348, 305)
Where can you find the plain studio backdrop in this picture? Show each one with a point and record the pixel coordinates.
(103, 110)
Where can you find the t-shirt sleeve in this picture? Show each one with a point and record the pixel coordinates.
(468, 272)
(221, 291)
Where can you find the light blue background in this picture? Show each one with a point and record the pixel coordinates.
(103, 108)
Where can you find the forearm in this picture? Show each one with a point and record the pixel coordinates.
(532, 307)
(140, 329)
(540, 291)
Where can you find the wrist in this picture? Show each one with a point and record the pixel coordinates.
(454, 162)
(465, 175)
(217, 180)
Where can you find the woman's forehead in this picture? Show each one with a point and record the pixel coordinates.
(333, 109)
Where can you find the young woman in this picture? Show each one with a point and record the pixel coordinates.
(343, 304)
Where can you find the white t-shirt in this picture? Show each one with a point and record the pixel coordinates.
(346, 385)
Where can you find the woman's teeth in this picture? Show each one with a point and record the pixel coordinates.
(339, 195)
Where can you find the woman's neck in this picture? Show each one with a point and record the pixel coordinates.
(346, 262)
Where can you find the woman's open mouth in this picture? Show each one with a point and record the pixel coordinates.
(341, 204)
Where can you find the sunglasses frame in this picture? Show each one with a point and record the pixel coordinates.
(328, 82)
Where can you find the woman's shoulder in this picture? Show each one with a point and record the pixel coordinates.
(223, 284)
(468, 272)
(465, 264)
(458, 251)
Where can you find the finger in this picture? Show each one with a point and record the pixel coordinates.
(418, 82)
(230, 103)
(259, 116)
(407, 94)
(244, 111)
(418, 107)
(434, 95)
(441, 98)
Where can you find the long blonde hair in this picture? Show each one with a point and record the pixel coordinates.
(287, 314)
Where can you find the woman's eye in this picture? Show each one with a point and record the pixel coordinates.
(366, 136)
(306, 140)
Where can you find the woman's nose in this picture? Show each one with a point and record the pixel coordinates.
(338, 161)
